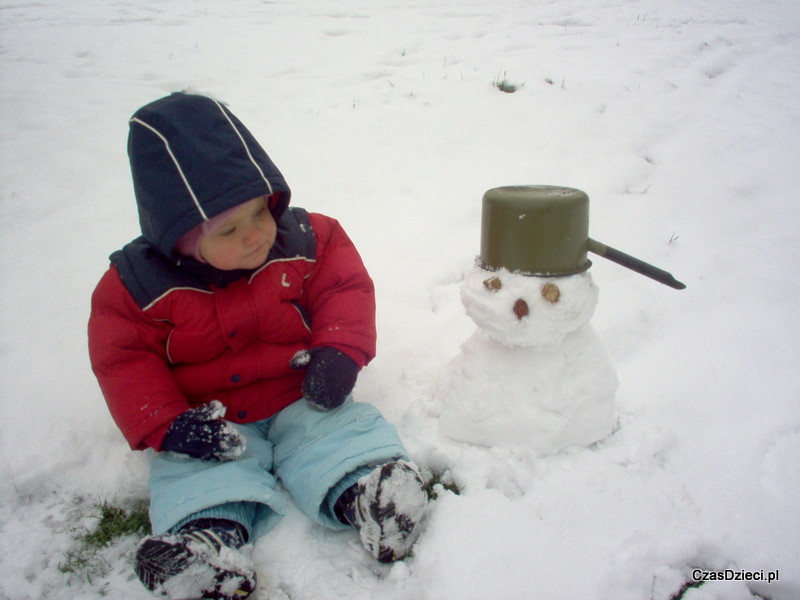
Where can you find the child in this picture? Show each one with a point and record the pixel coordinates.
(228, 339)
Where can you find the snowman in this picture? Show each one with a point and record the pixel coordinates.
(534, 374)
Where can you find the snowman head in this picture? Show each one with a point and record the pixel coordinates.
(525, 310)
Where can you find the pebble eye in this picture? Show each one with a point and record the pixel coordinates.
(551, 293)
(493, 284)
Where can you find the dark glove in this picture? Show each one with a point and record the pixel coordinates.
(202, 433)
(330, 378)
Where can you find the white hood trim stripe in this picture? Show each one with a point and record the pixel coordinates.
(177, 165)
(244, 144)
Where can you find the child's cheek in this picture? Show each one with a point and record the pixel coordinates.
(228, 258)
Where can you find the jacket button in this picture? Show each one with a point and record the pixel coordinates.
(242, 414)
(236, 378)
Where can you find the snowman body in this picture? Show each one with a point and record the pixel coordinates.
(534, 374)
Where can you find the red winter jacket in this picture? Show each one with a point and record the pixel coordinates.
(191, 345)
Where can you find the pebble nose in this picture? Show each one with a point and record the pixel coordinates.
(521, 309)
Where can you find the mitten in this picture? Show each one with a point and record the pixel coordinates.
(330, 378)
(202, 433)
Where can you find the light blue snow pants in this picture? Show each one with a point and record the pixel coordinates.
(315, 455)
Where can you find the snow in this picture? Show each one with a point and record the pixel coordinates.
(680, 120)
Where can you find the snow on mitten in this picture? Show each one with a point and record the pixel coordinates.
(202, 433)
(330, 378)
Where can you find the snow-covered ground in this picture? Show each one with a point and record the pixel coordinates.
(680, 119)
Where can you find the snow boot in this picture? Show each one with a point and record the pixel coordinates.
(385, 506)
(201, 561)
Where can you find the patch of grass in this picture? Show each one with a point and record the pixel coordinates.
(502, 83)
(550, 81)
(113, 522)
(689, 585)
(438, 480)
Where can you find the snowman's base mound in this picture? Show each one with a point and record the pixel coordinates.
(545, 399)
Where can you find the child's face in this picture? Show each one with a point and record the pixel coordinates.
(243, 240)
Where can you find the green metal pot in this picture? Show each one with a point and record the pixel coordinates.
(543, 230)
(537, 230)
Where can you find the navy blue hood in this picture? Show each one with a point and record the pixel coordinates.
(192, 159)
